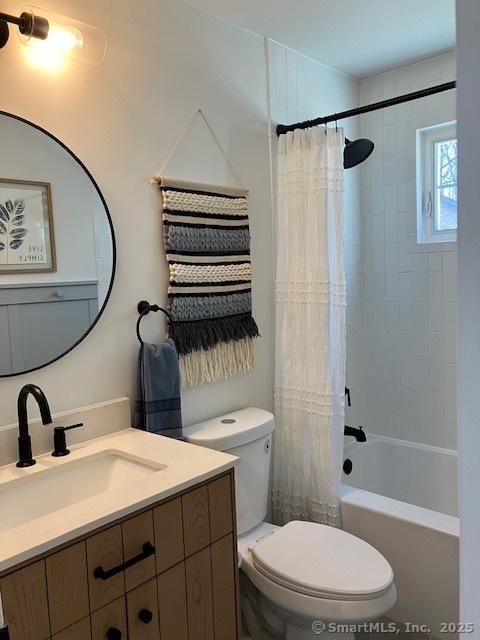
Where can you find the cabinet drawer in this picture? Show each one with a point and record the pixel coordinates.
(25, 603)
(67, 586)
(111, 617)
(172, 603)
(199, 595)
(220, 507)
(142, 612)
(224, 589)
(196, 522)
(138, 532)
(78, 631)
(105, 550)
(168, 524)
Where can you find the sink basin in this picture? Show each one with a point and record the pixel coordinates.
(49, 490)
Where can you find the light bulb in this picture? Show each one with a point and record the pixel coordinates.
(53, 37)
(62, 39)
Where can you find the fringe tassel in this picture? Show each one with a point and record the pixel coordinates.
(209, 333)
(224, 360)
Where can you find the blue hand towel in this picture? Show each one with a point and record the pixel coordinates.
(157, 406)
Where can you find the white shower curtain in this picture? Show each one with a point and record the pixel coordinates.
(310, 327)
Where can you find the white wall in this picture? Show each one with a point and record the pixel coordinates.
(164, 60)
(302, 89)
(410, 288)
(468, 28)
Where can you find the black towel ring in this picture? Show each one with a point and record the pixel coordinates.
(144, 309)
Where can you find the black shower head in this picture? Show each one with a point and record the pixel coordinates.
(356, 151)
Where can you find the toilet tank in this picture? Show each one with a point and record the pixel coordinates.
(246, 434)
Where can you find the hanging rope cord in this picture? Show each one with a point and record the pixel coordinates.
(198, 112)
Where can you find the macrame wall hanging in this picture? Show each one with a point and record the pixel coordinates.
(207, 244)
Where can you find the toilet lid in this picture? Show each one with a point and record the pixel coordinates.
(323, 562)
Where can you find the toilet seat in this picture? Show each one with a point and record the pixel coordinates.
(297, 607)
(322, 562)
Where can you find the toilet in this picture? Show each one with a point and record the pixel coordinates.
(303, 580)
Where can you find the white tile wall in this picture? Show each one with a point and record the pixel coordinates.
(302, 89)
(410, 290)
(401, 317)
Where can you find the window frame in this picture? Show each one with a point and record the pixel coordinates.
(427, 139)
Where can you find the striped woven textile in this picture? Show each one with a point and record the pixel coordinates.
(207, 243)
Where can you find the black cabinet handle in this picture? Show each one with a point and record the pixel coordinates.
(114, 634)
(101, 574)
(145, 616)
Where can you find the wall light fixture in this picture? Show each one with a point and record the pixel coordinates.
(56, 35)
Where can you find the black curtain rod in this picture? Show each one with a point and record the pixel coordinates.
(284, 128)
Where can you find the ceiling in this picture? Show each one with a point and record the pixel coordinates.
(358, 37)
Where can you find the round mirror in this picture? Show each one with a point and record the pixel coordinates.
(57, 248)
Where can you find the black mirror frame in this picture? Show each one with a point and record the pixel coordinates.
(114, 244)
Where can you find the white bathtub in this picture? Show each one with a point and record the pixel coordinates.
(402, 498)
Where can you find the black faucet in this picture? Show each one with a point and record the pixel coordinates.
(359, 434)
(25, 458)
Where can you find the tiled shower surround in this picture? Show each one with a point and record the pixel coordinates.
(402, 299)
(410, 292)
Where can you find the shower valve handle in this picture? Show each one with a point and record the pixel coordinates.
(347, 395)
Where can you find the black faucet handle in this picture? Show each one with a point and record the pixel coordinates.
(60, 441)
(72, 426)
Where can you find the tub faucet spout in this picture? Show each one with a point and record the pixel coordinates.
(359, 434)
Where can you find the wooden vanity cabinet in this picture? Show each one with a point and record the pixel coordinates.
(167, 572)
(105, 549)
(79, 631)
(142, 612)
(110, 621)
(25, 602)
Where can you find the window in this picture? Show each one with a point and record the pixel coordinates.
(437, 155)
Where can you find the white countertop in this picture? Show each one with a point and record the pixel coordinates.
(184, 466)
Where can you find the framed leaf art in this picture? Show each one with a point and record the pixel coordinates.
(27, 243)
